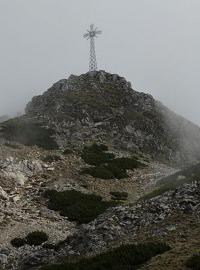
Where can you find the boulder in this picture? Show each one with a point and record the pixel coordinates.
(3, 194)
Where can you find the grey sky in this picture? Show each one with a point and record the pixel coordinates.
(153, 43)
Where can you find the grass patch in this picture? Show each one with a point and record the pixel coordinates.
(194, 262)
(174, 181)
(96, 155)
(28, 133)
(77, 206)
(125, 257)
(159, 191)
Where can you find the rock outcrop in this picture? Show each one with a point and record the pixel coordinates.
(124, 222)
(19, 171)
(102, 107)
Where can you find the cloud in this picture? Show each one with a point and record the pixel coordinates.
(152, 43)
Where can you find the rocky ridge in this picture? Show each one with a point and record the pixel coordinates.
(103, 107)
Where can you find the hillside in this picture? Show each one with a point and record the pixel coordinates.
(96, 171)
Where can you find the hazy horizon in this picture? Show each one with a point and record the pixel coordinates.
(153, 44)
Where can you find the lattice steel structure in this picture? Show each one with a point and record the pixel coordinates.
(91, 35)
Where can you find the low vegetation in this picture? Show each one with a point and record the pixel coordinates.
(106, 171)
(105, 165)
(36, 238)
(28, 133)
(126, 163)
(96, 155)
(159, 191)
(77, 206)
(125, 257)
(194, 262)
(174, 181)
(18, 242)
(187, 175)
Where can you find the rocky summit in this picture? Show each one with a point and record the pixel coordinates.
(103, 107)
(98, 176)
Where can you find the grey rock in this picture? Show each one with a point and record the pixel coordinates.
(3, 194)
(19, 171)
(3, 259)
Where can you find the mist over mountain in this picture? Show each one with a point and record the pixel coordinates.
(99, 170)
(3, 118)
(152, 43)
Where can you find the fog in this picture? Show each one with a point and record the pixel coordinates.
(154, 44)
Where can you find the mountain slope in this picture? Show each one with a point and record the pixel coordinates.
(56, 180)
(102, 107)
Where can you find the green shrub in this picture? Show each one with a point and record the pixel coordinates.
(126, 257)
(96, 148)
(18, 242)
(77, 206)
(117, 195)
(194, 262)
(96, 158)
(106, 166)
(118, 172)
(126, 163)
(99, 172)
(95, 155)
(108, 171)
(36, 238)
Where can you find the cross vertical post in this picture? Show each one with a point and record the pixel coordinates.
(92, 34)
